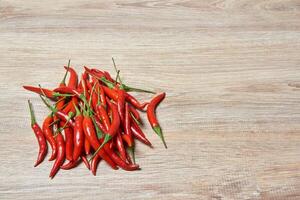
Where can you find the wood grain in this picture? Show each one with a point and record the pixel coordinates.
(231, 70)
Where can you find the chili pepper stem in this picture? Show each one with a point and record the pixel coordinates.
(65, 76)
(33, 120)
(132, 89)
(158, 131)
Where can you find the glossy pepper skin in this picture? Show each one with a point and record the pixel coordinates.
(73, 80)
(69, 143)
(94, 164)
(39, 136)
(90, 134)
(60, 158)
(48, 132)
(121, 103)
(78, 135)
(152, 117)
(133, 101)
(138, 134)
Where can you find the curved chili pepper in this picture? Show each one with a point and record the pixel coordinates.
(120, 146)
(48, 132)
(152, 118)
(138, 134)
(102, 96)
(71, 164)
(127, 139)
(115, 125)
(103, 116)
(73, 80)
(133, 101)
(110, 93)
(60, 158)
(94, 164)
(86, 162)
(78, 135)
(69, 142)
(49, 93)
(39, 136)
(89, 132)
(121, 103)
(127, 126)
(135, 113)
(70, 106)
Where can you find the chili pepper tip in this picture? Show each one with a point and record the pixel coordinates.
(158, 131)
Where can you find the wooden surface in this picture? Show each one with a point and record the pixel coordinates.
(231, 70)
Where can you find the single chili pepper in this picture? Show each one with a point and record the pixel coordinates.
(73, 81)
(113, 129)
(103, 116)
(86, 162)
(69, 142)
(71, 164)
(138, 134)
(78, 134)
(120, 146)
(110, 93)
(70, 91)
(90, 134)
(49, 93)
(60, 114)
(152, 117)
(135, 113)
(94, 164)
(99, 124)
(121, 103)
(133, 101)
(60, 158)
(39, 136)
(102, 96)
(127, 126)
(48, 132)
(87, 146)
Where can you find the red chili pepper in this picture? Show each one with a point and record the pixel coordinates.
(121, 103)
(133, 101)
(108, 77)
(69, 142)
(115, 125)
(39, 136)
(152, 118)
(94, 164)
(48, 132)
(60, 158)
(70, 106)
(138, 134)
(68, 90)
(135, 113)
(103, 116)
(86, 162)
(78, 135)
(110, 93)
(102, 96)
(49, 93)
(99, 124)
(71, 164)
(120, 146)
(127, 126)
(127, 139)
(89, 132)
(73, 81)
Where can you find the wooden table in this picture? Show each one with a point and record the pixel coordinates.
(231, 70)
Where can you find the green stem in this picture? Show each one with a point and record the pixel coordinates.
(32, 116)
(65, 125)
(54, 110)
(132, 89)
(118, 71)
(158, 131)
(98, 131)
(64, 79)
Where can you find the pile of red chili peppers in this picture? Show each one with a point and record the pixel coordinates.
(92, 118)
